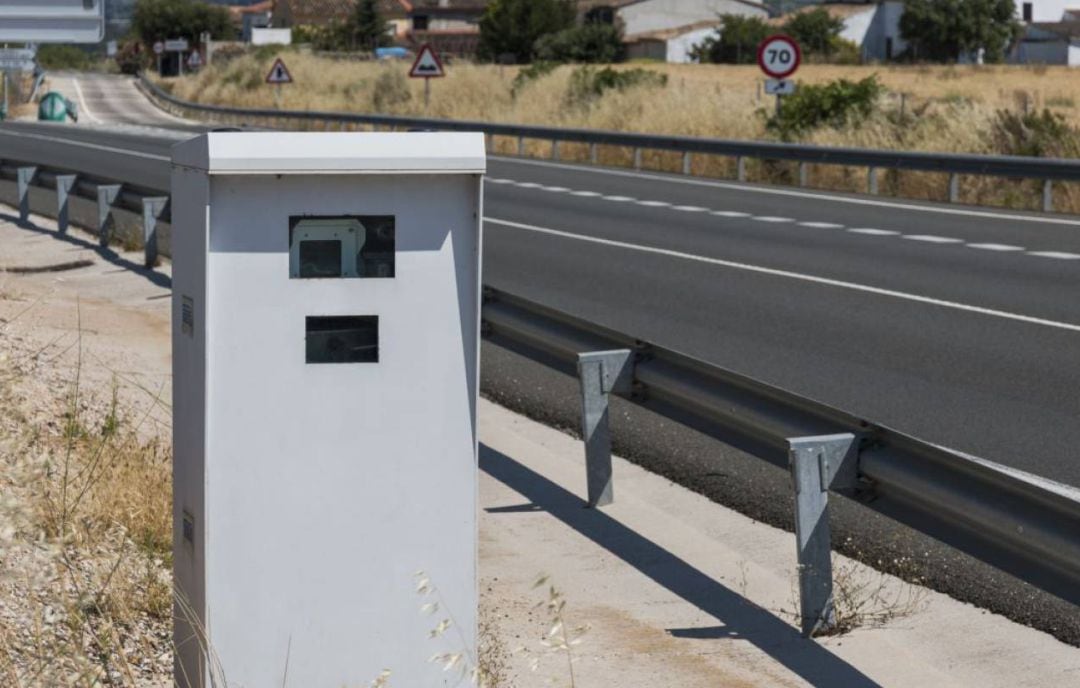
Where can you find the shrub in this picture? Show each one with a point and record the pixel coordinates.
(592, 42)
(588, 84)
(735, 42)
(59, 56)
(391, 89)
(155, 20)
(833, 104)
(816, 31)
(529, 74)
(512, 27)
(1039, 134)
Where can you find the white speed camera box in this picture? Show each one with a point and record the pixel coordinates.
(326, 299)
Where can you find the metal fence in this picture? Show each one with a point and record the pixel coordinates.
(1018, 522)
(1048, 170)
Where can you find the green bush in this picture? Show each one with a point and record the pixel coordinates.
(588, 84)
(155, 20)
(512, 27)
(735, 42)
(391, 89)
(833, 104)
(531, 73)
(58, 56)
(590, 43)
(816, 31)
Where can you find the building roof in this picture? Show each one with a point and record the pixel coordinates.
(1036, 31)
(839, 11)
(675, 32)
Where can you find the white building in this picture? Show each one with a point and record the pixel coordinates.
(667, 30)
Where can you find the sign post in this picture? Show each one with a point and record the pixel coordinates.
(159, 48)
(427, 66)
(779, 56)
(279, 74)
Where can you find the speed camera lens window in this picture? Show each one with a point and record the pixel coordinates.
(342, 339)
(352, 246)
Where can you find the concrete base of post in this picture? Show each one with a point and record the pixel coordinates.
(600, 374)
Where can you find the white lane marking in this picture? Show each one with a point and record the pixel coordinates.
(82, 102)
(771, 218)
(996, 247)
(1060, 255)
(498, 180)
(689, 208)
(529, 185)
(932, 239)
(585, 194)
(1070, 327)
(555, 189)
(653, 204)
(729, 213)
(84, 144)
(619, 199)
(821, 225)
(873, 232)
(796, 194)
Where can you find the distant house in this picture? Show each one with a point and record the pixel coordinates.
(452, 27)
(1049, 43)
(873, 28)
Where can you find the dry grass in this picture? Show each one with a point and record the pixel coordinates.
(944, 108)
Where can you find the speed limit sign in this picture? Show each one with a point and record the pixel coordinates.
(779, 56)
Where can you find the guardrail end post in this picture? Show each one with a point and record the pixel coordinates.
(521, 146)
(818, 463)
(1048, 196)
(64, 184)
(24, 177)
(954, 188)
(686, 161)
(555, 149)
(593, 155)
(871, 180)
(637, 158)
(152, 209)
(804, 174)
(740, 168)
(600, 373)
(106, 196)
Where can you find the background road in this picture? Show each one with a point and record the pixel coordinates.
(958, 325)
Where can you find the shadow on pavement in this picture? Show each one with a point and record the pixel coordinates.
(739, 619)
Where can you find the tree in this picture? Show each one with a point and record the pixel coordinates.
(591, 42)
(365, 28)
(816, 31)
(513, 26)
(735, 42)
(155, 20)
(947, 30)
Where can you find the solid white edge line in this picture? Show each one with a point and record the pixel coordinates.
(82, 102)
(795, 194)
(85, 144)
(793, 275)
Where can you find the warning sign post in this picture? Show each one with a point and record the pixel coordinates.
(427, 66)
(279, 74)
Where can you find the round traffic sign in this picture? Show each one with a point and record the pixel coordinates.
(159, 48)
(779, 56)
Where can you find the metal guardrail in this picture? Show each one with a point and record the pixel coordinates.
(1021, 523)
(953, 164)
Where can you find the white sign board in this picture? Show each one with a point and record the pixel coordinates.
(271, 36)
(279, 73)
(111, 48)
(427, 64)
(176, 45)
(779, 87)
(779, 56)
(159, 48)
(17, 60)
(194, 60)
(52, 21)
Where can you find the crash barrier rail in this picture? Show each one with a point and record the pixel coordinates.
(1048, 170)
(1023, 524)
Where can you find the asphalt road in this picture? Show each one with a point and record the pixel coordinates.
(957, 325)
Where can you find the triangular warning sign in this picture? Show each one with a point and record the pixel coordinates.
(427, 64)
(279, 73)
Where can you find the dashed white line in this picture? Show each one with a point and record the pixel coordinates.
(873, 232)
(772, 218)
(654, 204)
(529, 185)
(821, 225)
(933, 239)
(555, 189)
(996, 247)
(690, 208)
(498, 180)
(1071, 327)
(1060, 255)
(619, 199)
(729, 213)
(585, 194)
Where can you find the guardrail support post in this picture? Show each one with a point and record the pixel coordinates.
(871, 180)
(637, 158)
(1048, 196)
(740, 168)
(106, 196)
(24, 177)
(818, 463)
(521, 146)
(555, 150)
(954, 187)
(152, 209)
(593, 156)
(64, 184)
(686, 160)
(600, 373)
(489, 143)
(803, 174)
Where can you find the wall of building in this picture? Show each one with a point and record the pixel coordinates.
(659, 15)
(1043, 10)
(884, 32)
(678, 48)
